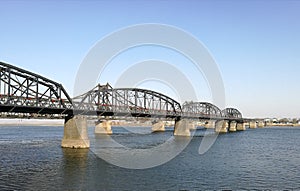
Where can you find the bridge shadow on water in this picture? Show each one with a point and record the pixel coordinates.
(85, 170)
(139, 137)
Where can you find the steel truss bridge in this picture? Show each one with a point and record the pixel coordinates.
(22, 91)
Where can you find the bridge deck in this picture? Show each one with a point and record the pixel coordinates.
(22, 91)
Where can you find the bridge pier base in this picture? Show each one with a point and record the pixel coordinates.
(252, 125)
(240, 127)
(269, 123)
(221, 126)
(103, 127)
(261, 124)
(192, 125)
(75, 132)
(210, 124)
(158, 126)
(232, 126)
(182, 128)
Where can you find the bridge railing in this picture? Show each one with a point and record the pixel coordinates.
(31, 101)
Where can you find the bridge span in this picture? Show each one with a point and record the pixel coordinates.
(22, 91)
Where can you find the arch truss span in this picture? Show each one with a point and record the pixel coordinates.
(107, 101)
(22, 91)
(232, 113)
(201, 109)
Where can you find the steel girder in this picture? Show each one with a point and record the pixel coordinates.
(232, 113)
(22, 91)
(26, 92)
(139, 102)
(204, 109)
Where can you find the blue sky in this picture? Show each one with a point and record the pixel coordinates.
(256, 44)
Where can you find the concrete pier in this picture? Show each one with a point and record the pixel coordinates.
(182, 128)
(75, 132)
(252, 125)
(192, 125)
(221, 126)
(232, 126)
(103, 127)
(261, 124)
(240, 127)
(269, 123)
(210, 124)
(158, 126)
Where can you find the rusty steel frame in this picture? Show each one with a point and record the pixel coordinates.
(25, 92)
(232, 113)
(201, 109)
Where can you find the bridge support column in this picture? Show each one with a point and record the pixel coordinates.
(192, 125)
(221, 126)
(261, 124)
(232, 126)
(269, 123)
(241, 127)
(210, 124)
(75, 132)
(252, 125)
(158, 126)
(103, 127)
(182, 127)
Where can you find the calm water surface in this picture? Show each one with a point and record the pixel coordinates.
(31, 159)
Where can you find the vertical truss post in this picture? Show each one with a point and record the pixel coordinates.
(135, 100)
(59, 97)
(27, 90)
(160, 104)
(112, 100)
(145, 101)
(8, 85)
(37, 93)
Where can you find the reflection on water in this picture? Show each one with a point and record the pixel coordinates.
(32, 159)
(138, 151)
(74, 167)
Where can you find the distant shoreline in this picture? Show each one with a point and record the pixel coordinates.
(31, 122)
(284, 125)
(60, 122)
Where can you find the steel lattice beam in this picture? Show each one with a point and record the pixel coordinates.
(23, 91)
(232, 113)
(204, 109)
(133, 101)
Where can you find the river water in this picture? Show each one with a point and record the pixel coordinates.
(263, 159)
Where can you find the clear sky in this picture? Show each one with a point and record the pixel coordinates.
(256, 44)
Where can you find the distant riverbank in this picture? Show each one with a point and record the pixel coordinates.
(31, 122)
(60, 122)
(284, 125)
